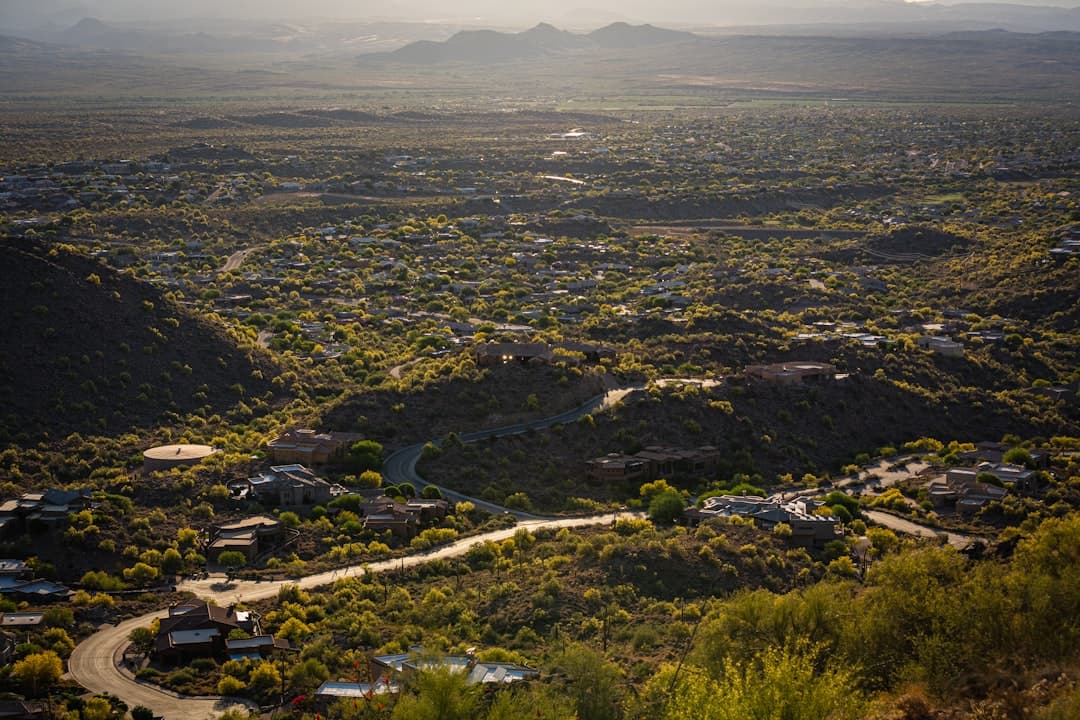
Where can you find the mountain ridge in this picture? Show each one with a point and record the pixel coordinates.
(541, 40)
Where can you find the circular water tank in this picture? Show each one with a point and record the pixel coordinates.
(170, 456)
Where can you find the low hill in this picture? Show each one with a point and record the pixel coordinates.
(471, 46)
(624, 35)
(489, 46)
(86, 349)
(471, 399)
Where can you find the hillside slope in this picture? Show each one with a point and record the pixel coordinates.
(86, 349)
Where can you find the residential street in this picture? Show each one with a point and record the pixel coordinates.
(93, 664)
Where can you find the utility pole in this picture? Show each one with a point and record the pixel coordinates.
(281, 654)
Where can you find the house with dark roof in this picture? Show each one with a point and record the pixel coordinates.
(38, 590)
(653, 462)
(383, 513)
(17, 581)
(429, 509)
(961, 489)
(994, 452)
(196, 629)
(792, 372)
(23, 710)
(47, 510)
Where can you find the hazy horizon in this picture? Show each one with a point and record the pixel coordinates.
(14, 13)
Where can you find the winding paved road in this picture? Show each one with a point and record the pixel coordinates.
(400, 466)
(95, 665)
(95, 662)
(236, 259)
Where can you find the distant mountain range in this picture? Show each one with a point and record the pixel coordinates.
(974, 65)
(489, 46)
(17, 16)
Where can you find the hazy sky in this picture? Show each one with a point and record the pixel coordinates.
(495, 12)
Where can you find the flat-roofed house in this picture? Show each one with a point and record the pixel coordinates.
(255, 648)
(308, 447)
(618, 467)
(807, 529)
(793, 372)
(527, 353)
(251, 536)
(332, 691)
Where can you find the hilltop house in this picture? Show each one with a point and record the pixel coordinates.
(792, 373)
(288, 486)
(308, 447)
(807, 529)
(653, 462)
(252, 536)
(941, 345)
(570, 353)
(526, 353)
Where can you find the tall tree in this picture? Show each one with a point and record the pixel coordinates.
(38, 672)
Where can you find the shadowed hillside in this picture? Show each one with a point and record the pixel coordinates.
(86, 349)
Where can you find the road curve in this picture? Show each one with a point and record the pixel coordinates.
(400, 466)
(236, 259)
(900, 524)
(94, 665)
(94, 662)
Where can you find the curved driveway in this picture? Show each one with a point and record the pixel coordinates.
(899, 524)
(94, 663)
